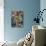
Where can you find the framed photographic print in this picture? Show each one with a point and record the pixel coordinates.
(17, 18)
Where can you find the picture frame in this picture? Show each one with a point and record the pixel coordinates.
(17, 18)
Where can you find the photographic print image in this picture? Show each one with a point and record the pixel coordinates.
(17, 18)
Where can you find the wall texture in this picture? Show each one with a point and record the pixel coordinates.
(29, 7)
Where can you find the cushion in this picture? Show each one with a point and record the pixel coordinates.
(20, 42)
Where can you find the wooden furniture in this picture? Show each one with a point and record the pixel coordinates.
(39, 36)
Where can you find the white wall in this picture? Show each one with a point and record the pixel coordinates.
(1, 20)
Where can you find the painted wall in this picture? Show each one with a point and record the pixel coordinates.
(43, 6)
(1, 21)
(29, 7)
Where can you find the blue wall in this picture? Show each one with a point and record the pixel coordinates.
(43, 6)
(29, 7)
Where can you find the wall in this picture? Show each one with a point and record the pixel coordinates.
(29, 7)
(1, 21)
(42, 6)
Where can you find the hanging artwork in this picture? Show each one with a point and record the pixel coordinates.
(17, 18)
